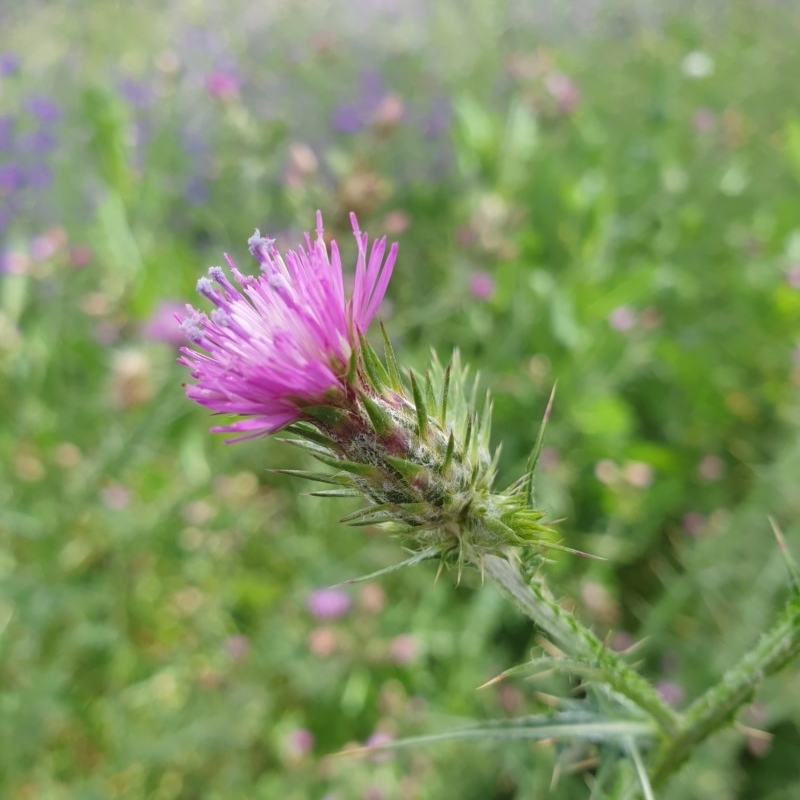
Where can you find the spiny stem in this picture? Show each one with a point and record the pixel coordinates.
(564, 630)
(717, 706)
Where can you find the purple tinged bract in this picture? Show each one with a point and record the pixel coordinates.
(283, 340)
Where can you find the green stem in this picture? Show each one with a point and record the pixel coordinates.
(564, 630)
(717, 706)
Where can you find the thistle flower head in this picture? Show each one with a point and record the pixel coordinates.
(285, 339)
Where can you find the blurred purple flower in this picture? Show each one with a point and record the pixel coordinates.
(793, 276)
(438, 120)
(197, 190)
(328, 603)
(346, 119)
(39, 175)
(9, 65)
(7, 125)
(38, 142)
(481, 285)
(163, 325)
(138, 94)
(12, 178)
(43, 108)
(352, 116)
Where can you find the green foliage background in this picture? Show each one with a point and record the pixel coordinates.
(626, 175)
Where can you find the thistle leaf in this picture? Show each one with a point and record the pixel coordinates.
(448, 456)
(337, 493)
(380, 419)
(391, 362)
(329, 416)
(321, 477)
(363, 470)
(430, 395)
(417, 558)
(306, 431)
(376, 372)
(589, 726)
(533, 458)
(467, 433)
(422, 410)
(310, 447)
(406, 469)
(445, 395)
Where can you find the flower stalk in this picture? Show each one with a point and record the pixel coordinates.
(288, 351)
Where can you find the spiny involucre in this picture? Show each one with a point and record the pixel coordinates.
(287, 350)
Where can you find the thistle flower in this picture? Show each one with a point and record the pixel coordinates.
(285, 339)
(287, 351)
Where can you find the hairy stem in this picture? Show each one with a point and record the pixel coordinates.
(716, 707)
(564, 630)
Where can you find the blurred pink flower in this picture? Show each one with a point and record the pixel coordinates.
(404, 648)
(564, 91)
(672, 693)
(704, 120)
(711, 468)
(284, 339)
(622, 318)
(481, 285)
(163, 325)
(328, 603)
(793, 276)
(378, 739)
(299, 742)
(222, 85)
(638, 474)
(237, 647)
(694, 522)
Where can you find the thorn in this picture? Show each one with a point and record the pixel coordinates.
(791, 566)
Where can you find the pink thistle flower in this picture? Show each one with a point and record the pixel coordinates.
(282, 340)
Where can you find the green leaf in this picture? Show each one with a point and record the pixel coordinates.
(408, 470)
(585, 725)
(430, 395)
(309, 432)
(380, 419)
(364, 470)
(321, 477)
(445, 394)
(533, 458)
(422, 411)
(448, 456)
(337, 493)
(308, 446)
(391, 363)
(330, 416)
(417, 558)
(375, 370)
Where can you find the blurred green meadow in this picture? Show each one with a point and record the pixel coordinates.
(602, 194)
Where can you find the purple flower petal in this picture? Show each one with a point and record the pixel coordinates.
(284, 339)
